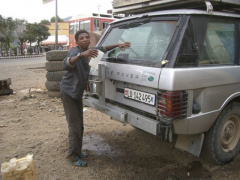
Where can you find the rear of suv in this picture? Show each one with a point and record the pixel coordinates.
(181, 76)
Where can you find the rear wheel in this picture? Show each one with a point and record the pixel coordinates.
(222, 140)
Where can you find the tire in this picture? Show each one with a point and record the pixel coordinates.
(54, 66)
(54, 76)
(221, 142)
(54, 94)
(56, 55)
(53, 85)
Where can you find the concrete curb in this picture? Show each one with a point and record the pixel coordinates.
(15, 57)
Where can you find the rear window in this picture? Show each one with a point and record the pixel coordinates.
(219, 43)
(149, 41)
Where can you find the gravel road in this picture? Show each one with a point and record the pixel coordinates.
(32, 122)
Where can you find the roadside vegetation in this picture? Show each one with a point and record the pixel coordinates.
(15, 33)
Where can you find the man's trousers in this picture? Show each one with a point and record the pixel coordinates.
(74, 115)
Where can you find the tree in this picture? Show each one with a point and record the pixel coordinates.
(44, 21)
(1, 34)
(29, 34)
(59, 19)
(36, 32)
(41, 33)
(21, 26)
(7, 27)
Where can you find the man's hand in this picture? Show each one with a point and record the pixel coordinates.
(90, 53)
(124, 45)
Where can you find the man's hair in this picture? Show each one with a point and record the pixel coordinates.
(79, 32)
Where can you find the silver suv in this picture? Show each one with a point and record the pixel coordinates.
(181, 76)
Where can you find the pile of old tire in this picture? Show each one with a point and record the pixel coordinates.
(54, 71)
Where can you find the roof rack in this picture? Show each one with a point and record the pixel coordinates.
(142, 6)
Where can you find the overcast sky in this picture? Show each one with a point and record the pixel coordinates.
(35, 11)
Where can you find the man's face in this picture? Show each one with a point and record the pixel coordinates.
(83, 41)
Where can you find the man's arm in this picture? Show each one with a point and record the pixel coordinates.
(94, 52)
(86, 54)
(122, 46)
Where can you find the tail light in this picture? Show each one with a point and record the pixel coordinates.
(172, 104)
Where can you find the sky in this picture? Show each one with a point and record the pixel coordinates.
(35, 11)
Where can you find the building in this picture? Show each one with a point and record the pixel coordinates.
(63, 36)
(63, 28)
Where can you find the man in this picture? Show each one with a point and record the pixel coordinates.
(59, 48)
(72, 87)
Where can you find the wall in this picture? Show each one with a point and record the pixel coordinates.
(63, 28)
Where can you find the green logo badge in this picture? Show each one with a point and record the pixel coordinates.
(150, 78)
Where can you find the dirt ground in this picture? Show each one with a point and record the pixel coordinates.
(32, 122)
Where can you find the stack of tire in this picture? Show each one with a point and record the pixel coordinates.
(54, 71)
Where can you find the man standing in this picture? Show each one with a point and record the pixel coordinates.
(72, 87)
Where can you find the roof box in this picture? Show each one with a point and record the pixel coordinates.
(142, 6)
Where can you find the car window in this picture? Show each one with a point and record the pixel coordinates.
(105, 25)
(74, 27)
(96, 25)
(85, 25)
(149, 41)
(219, 43)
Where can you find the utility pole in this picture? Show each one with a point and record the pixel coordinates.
(56, 28)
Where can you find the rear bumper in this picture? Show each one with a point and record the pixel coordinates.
(125, 116)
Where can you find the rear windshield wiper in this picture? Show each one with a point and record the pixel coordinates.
(116, 60)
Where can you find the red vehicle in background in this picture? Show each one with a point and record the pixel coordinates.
(93, 23)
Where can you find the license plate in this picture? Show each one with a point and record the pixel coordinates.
(144, 97)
